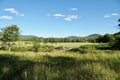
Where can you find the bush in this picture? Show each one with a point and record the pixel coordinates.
(103, 46)
(3, 47)
(13, 43)
(27, 42)
(36, 47)
(84, 49)
(116, 44)
(59, 48)
(39, 48)
(21, 49)
(47, 48)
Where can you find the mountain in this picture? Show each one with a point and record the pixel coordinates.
(93, 36)
(89, 36)
(73, 37)
(27, 37)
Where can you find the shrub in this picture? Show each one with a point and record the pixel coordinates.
(27, 42)
(103, 46)
(13, 43)
(3, 47)
(39, 48)
(21, 49)
(84, 49)
(116, 44)
(47, 48)
(59, 48)
(36, 47)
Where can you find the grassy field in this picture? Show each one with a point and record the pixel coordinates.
(22, 43)
(92, 65)
(69, 45)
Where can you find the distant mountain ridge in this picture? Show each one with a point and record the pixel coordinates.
(93, 36)
(89, 36)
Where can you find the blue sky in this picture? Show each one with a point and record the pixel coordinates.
(61, 18)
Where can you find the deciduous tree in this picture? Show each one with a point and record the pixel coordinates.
(10, 34)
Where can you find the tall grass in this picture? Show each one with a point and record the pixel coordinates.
(99, 65)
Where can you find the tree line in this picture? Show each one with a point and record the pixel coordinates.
(59, 40)
(11, 33)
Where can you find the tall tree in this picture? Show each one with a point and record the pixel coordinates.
(108, 38)
(10, 34)
(119, 24)
(116, 44)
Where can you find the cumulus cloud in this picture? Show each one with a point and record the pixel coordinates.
(74, 9)
(13, 11)
(114, 14)
(6, 17)
(71, 17)
(111, 15)
(58, 15)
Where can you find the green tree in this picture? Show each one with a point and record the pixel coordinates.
(119, 23)
(108, 38)
(10, 34)
(116, 44)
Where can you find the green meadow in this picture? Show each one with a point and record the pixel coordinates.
(83, 64)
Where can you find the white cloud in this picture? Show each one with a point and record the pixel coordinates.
(68, 19)
(13, 11)
(111, 15)
(58, 15)
(114, 14)
(6, 17)
(74, 9)
(107, 16)
(71, 17)
(65, 17)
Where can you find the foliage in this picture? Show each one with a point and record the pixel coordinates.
(84, 49)
(116, 43)
(59, 48)
(106, 38)
(3, 47)
(20, 49)
(41, 48)
(47, 48)
(119, 24)
(36, 47)
(60, 40)
(9, 34)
